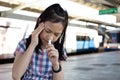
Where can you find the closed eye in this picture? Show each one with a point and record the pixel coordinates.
(57, 34)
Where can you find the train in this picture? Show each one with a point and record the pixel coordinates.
(78, 36)
(81, 39)
(113, 39)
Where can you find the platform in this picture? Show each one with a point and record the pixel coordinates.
(98, 66)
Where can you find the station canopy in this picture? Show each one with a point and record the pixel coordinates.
(82, 10)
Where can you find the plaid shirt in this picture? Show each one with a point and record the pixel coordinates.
(40, 67)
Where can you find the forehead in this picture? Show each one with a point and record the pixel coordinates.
(56, 27)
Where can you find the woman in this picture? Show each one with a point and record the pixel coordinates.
(41, 55)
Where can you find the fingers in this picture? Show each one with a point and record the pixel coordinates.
(36, 33)
(51, 49)
(52, 52)
(39, 28)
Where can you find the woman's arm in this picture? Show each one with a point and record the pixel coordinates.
(59, 75)
(53, 55)
(21, 62)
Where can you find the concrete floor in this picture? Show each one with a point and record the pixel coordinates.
(99, 66)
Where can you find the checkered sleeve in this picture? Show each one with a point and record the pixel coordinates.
(21, 47)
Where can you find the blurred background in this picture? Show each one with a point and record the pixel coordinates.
(94, 26)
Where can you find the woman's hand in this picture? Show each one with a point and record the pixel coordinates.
(53, 54)
(35, 34)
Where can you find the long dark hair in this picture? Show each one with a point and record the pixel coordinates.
(54, 13)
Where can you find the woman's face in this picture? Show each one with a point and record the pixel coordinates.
(51, 31)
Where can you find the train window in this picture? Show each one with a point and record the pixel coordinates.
(114, 38)
(83, 38)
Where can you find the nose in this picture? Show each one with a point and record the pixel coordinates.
(51, 37)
